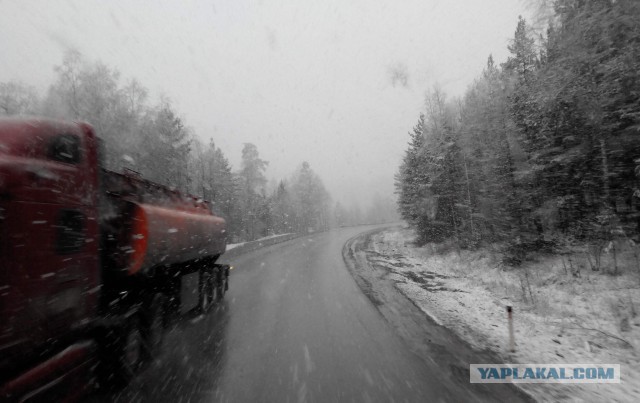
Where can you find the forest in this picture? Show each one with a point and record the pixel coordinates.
(153, 140)
(543, 151)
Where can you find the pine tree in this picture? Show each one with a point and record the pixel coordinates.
(444, 167)
(253, 182)
(312, 200)
(284, 214)
(522, 66)
(167, 146)
(589, 96)
(412, 183)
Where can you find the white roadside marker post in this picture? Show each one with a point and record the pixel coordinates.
(512, 343)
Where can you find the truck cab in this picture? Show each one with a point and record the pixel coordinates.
(49, 236)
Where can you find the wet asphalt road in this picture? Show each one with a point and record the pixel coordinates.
(293, 327)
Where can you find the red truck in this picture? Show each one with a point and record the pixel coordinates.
(91, 261)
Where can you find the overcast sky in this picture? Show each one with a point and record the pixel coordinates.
(316, 81)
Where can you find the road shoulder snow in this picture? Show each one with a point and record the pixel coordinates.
(237, 249)
(559, 318)
(434, 343)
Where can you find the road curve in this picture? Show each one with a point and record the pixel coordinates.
(294, 327)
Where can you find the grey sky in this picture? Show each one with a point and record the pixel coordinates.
(336, 83)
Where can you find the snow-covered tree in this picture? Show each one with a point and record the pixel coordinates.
(17, 98)
(253, 196)
(312, 200)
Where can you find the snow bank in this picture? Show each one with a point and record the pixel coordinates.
(559, 318)
(234, 245)
(237, 249)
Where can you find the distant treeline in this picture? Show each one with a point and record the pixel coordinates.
(155, 141)
(542, 148)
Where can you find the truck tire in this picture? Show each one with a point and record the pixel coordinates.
(155, 322)
(173, 291)
(221, 283)
(121, 353)
(132, 353)
(206, 291)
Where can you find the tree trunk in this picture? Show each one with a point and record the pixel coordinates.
(466, 173)
(605, 172)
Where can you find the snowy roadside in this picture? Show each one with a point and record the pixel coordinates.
(237, 249)
(266, 238)
(559, 318)
(234, 245)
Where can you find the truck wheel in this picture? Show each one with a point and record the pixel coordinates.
(206, 291)
(121, 353)
(221, 284)
(174, 304)
(132, 348)
(155, 321)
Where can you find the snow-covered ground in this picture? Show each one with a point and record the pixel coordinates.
(231, 246)
(559, 318)
(236, 245)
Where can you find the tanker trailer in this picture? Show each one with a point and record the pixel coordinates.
(151, 237)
